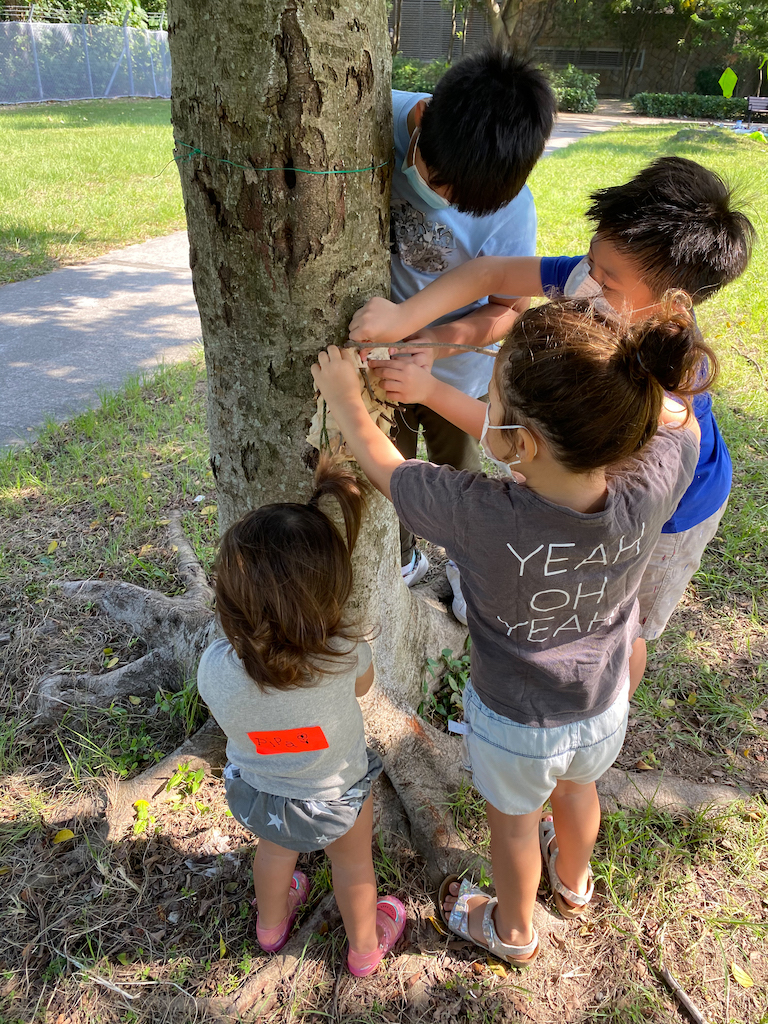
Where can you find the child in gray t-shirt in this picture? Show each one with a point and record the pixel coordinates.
(283, 686)
(550, 562)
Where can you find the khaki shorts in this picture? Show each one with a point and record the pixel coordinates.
(675, 559)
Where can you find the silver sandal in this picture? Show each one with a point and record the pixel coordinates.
(458, 922)
(561, 892)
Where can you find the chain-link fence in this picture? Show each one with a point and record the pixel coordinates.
(40, 62)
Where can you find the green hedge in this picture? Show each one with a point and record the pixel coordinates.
(413, 75)
(688, 104)
(574, 89)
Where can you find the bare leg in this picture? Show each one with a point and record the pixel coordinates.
(516, 871)
(576, 813)
(637, 663)
(273, 868)
(354, 881)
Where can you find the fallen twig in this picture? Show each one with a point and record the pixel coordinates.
(95, 977)
(682, 996)
(754, 363)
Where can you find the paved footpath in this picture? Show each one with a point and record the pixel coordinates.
(69, 334)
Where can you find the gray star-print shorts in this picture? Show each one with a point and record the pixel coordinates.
(301, 825)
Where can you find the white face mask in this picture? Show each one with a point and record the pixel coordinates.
(415, 180)
(581, 285)
(503, 466)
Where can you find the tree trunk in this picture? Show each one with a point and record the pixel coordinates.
(281, 258)
(518, 24)
(453, 31)
(398, 18)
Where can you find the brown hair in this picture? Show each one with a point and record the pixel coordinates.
(591, 384)
(283, 577)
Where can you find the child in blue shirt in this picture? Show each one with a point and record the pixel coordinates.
(671, 226)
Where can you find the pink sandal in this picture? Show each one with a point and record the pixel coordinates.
(273, 939)
(390, 925)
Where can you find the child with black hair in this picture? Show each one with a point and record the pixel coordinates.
(671, 226)
(283, 686)
(462, 157)
(550, 570)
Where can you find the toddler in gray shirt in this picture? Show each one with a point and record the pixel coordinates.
(283, 686)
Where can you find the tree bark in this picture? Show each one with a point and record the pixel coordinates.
(280, 258)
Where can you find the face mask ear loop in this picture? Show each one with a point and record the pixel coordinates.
(515, 426)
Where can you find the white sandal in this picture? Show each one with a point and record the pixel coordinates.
(561, 892)
(458, 922)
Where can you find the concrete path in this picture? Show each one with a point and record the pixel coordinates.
(71, 333)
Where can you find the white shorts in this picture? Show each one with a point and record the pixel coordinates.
(516, 767)
(675, 559)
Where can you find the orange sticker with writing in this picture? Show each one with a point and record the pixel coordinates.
(289, 741)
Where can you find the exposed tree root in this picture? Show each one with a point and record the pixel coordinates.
(176, 629)
(638, 790)
(155, 670)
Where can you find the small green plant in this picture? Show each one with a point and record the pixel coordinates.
(185, 781)
(447, 703)
(184, 704)
(144, 818)
(575, 90)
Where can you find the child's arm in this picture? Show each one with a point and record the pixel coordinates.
(335, 374)
(364, 682)
(408, 383)
(675, 414)
(383, 322)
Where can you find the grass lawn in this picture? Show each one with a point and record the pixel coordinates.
(79, 179)
(164, 908)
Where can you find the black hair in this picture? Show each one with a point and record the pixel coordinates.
(675, 221)
(485, 127)
(592, 384)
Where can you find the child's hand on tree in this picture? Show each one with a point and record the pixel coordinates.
(378, 321)
(404, 380)
(337, 376)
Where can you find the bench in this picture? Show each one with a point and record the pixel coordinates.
(756, 105)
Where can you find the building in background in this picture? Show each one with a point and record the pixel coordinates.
(653, 51)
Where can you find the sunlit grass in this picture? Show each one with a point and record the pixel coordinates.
(78, 179)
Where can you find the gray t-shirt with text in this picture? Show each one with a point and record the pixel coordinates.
(306, 743)
(550, 592)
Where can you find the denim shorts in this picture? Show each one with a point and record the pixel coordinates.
(516, 767)
(301, 825)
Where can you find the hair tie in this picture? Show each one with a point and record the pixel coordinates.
(640, 361)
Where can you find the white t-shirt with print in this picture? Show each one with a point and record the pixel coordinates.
(426, 242)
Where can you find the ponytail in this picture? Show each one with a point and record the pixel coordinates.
(669, 348)
(591, 384)
(333, 480)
